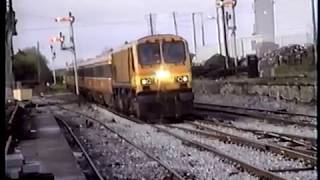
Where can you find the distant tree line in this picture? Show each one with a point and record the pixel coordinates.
(25, 66)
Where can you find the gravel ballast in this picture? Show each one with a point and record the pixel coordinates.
(260, 159)
(190, 162)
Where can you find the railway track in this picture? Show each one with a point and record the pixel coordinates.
(10, 127)
(227, 137)
(258, 172)
(308, 142)
(259, 114)
(261, 173)
(258, 110)
(173, 174)
(97, 174)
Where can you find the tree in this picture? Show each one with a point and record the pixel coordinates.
(25, 66)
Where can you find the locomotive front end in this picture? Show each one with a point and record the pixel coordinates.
(164, 80)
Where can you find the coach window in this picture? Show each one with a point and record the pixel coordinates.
(100, 71)
(88, 72)
(107, 70)
(80, 73)
(95, 71)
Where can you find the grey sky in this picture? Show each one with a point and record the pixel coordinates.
(109, 23)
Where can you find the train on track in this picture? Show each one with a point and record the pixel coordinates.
(149, 77)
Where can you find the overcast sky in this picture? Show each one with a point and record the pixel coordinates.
(109, 23)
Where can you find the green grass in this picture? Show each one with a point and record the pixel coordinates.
(57, 88)
(307, 68)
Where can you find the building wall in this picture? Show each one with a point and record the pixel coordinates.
(264, 19)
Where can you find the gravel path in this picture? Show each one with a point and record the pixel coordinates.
(190, 162)
(264, 160)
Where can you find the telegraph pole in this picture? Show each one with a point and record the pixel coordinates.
(175, 23)
(202, 31)
(234, 28)
(151, 24)
(225, 35)
(218, 29)
(314, 31)
(38, 62)
(194, 33)
(53, 69)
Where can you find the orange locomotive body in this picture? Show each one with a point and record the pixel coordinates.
(149, 77)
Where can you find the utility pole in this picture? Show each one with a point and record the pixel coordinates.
(151, 24)
(242, 48)
(314, 31)
(225, 35)
(38, 62)
(202, 31)
(175, 23)
(72, 48)
(53, 69)
(194, 33)
(233, 34)
(218, 29)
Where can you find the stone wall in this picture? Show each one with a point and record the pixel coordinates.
(299, 93)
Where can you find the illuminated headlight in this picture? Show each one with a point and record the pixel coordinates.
(183, 79)
(146, 81)
(162, 74)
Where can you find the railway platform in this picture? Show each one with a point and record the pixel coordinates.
(49, 149)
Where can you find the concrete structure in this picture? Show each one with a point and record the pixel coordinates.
(50, 150)
(264, 25)
(10, 31)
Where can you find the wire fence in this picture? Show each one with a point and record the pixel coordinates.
(248, 45)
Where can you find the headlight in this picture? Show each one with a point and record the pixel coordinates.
(146, 81)
(162, 74)
(183, 79)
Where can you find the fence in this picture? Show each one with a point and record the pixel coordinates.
(247, 45)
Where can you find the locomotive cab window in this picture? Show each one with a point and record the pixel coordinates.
(149, 53)
(174, 52)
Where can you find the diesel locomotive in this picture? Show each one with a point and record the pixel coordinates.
(149, 77)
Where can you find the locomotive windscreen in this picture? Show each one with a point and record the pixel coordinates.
(149, 53)
(174, 52)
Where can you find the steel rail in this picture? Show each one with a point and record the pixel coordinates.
(250, 114)
(10, 121)
(13, 114)
(257, 171)
(257, 109)
(259, 145)
(173, 172)
(292, 169)
(288, 137)
(8, 143)
(275, 135)
(94, 168)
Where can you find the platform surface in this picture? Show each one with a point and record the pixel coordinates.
(51, 148)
